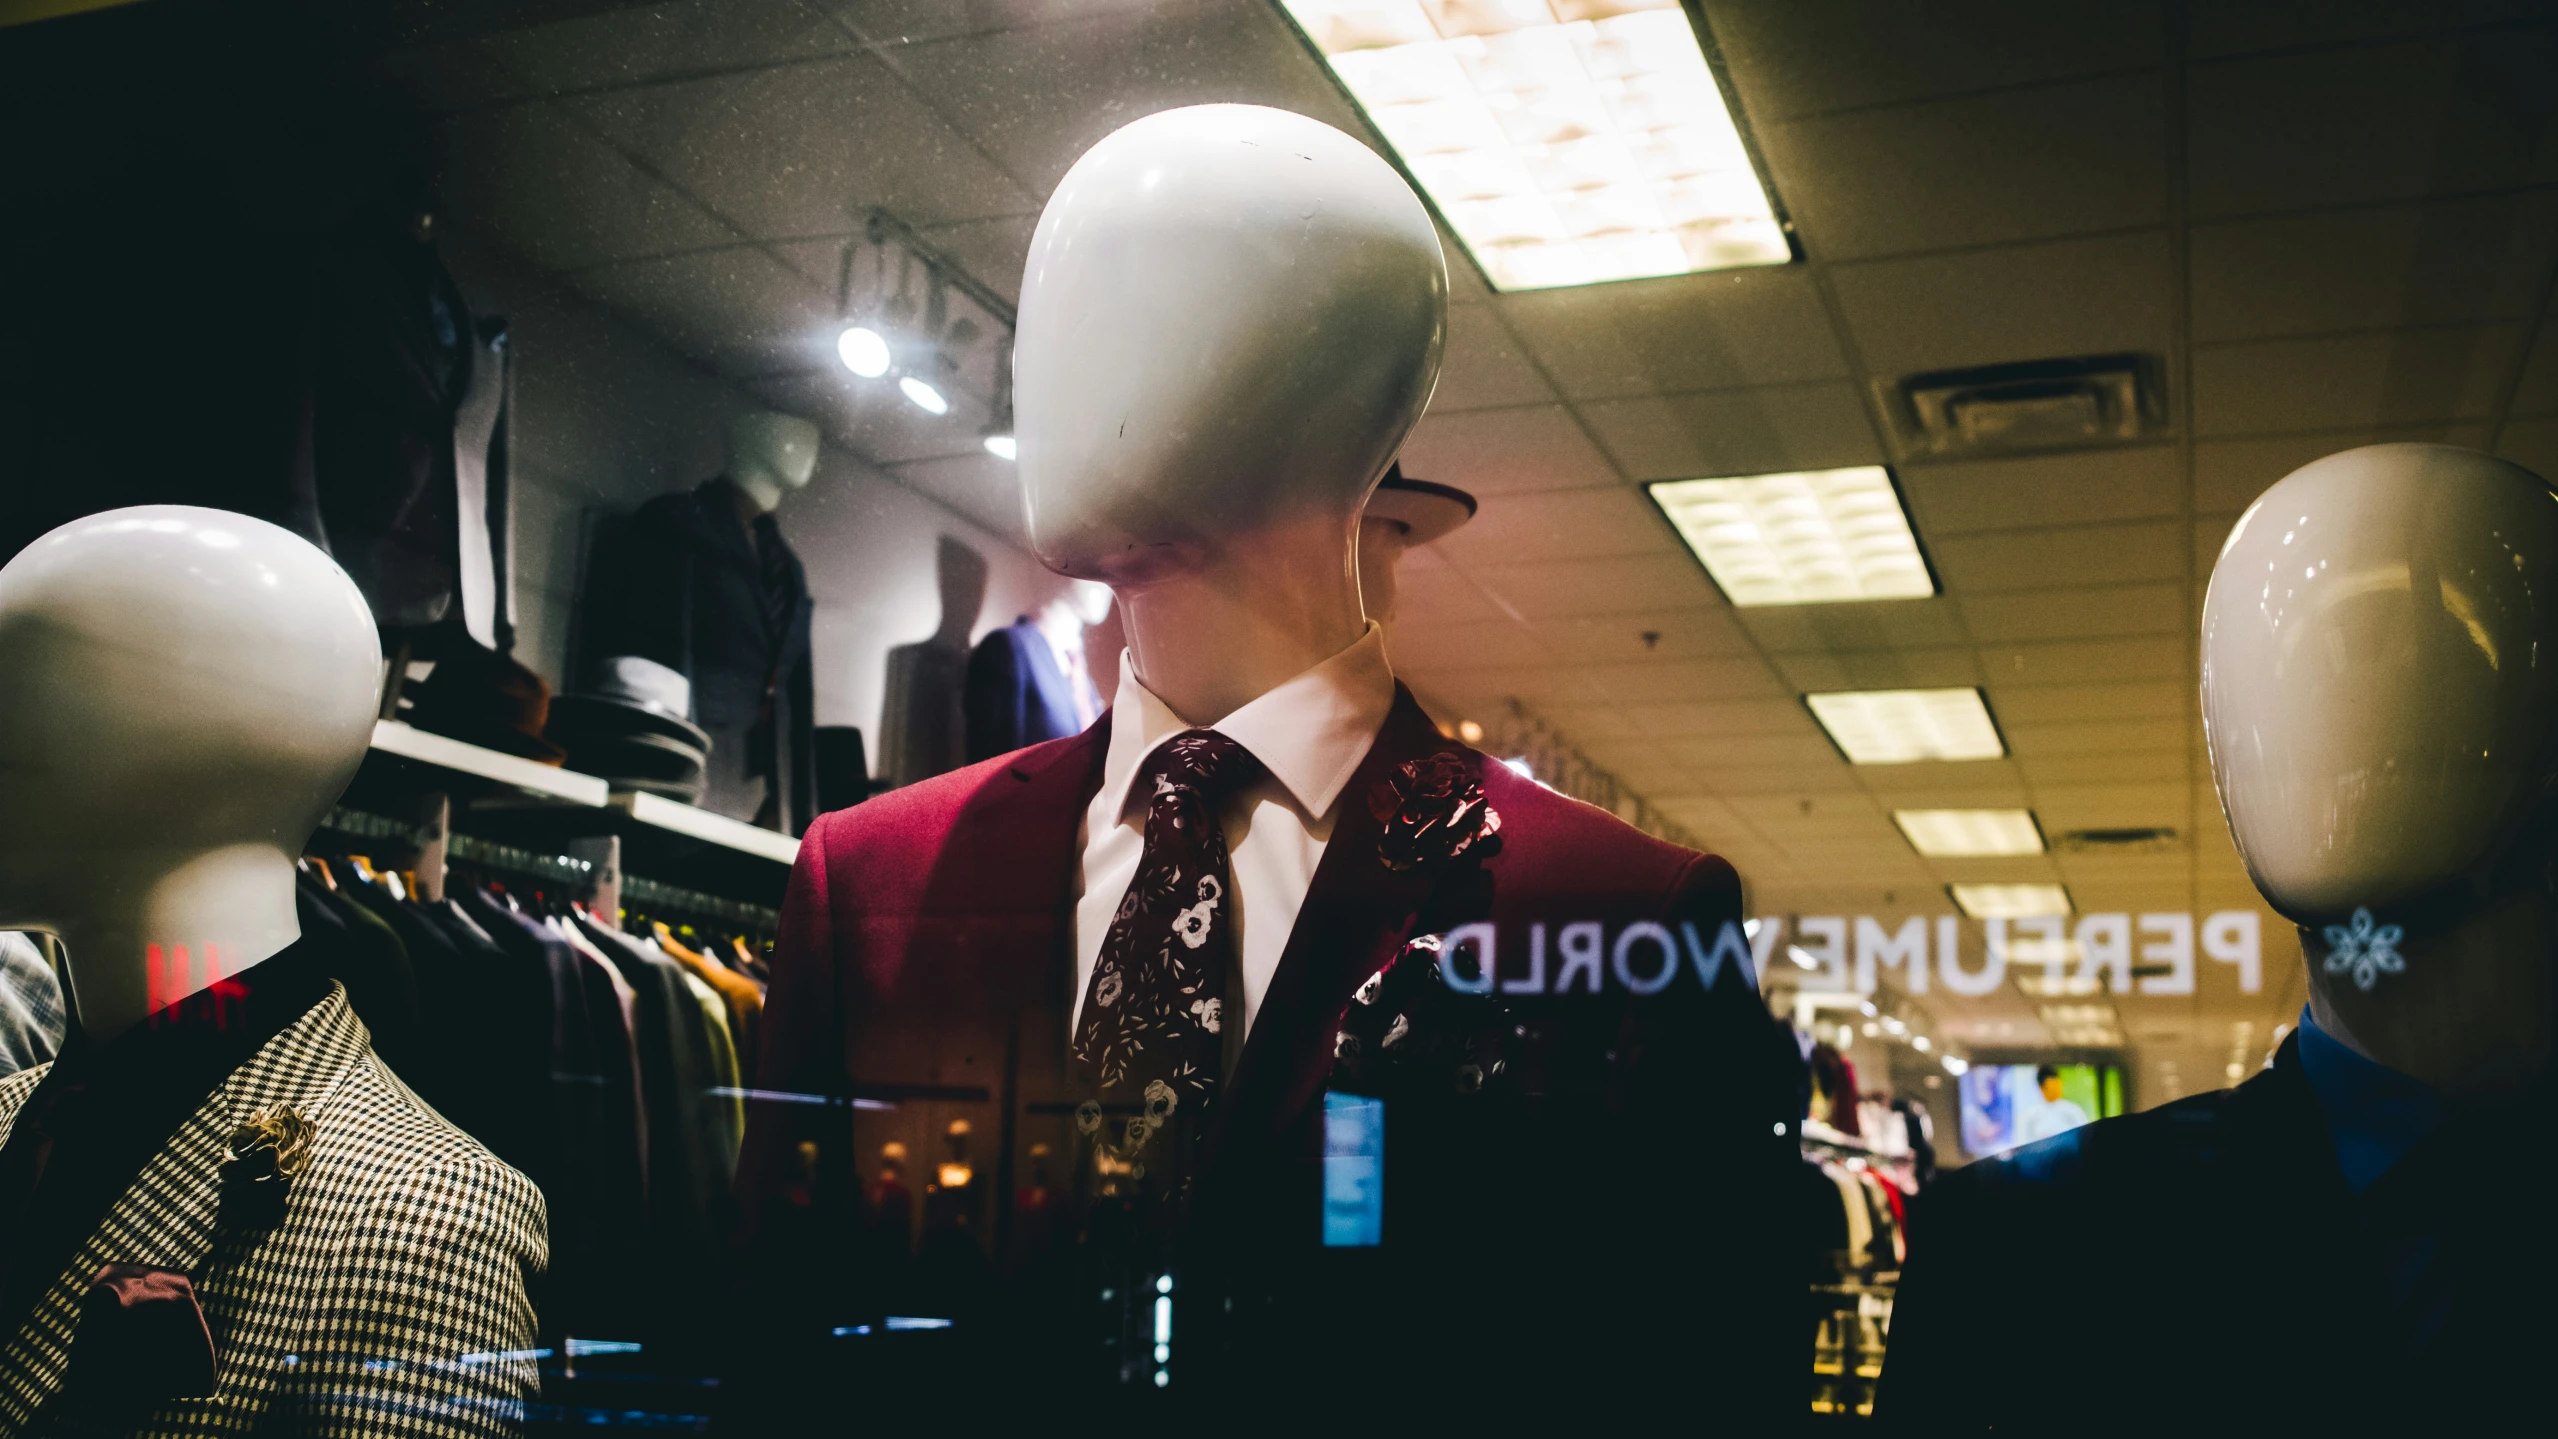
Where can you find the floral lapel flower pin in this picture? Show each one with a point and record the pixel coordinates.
(265, 1154)
(1432, 811)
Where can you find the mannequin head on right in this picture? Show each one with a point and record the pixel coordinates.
(188, 692)
(2380, 697)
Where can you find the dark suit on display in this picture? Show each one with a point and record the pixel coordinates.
(1016, 695)
(1580, 1231)
(683, 586)
(2204, 1267)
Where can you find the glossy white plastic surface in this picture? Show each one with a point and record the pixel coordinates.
(1230, 319)
(183, 694)
(2380, 674)
(770, 455)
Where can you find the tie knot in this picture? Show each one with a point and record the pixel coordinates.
(1203, 762)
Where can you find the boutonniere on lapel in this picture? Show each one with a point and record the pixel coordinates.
(1431, 810)
(1407, 1033)
(265, 1154)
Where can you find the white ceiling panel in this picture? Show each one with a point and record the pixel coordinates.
(2078, 769)
(2086, 487)
(735, 309)
(544, 186)
(2470, 111)
(1563, 589)
(1463, 644)
(906, 22)
(1644, 636)
(1722, 330)
(1038, 97)
(1802, 57)
(1983, 170)
(2479, 258)
(630, 44)
(1887, 624)
(2401, 377)
(1784, 715)
(1888, 669)
(2084, 662)
(2073, 614)
(2115, 737)
(1739, 677)
(1734, 432)
(1483, 367)
(828, 118)
(2104, 295)
(2230, 474)
(1530, 447)
(1562, 525)
(2048, 559)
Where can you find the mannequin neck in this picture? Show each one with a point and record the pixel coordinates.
(757, 489)
(1257, 613)
(209, 914)
(2474, 1015)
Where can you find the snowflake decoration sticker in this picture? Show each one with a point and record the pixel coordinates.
(2368, 950)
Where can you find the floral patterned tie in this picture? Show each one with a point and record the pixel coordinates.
(1150, 1041)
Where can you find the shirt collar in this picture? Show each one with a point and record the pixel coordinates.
(2374, 1113)
(1310, 733)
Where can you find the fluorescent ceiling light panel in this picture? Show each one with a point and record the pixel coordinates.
(2010, 901)
(1566, 141)
(1969, 833)
(1805, 538)
(1907, 726)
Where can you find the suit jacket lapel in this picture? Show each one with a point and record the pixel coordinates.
(1356, 914)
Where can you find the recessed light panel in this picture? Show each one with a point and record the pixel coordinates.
(1907, 726)
(1566, 141)
(1803, 538)
(1969, 833)
(2010, 901)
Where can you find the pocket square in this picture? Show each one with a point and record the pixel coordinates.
(142, 1340)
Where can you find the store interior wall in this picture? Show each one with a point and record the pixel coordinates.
(606, 416)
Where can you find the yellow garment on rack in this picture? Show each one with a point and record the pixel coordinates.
(743, 996)
(728, 1089)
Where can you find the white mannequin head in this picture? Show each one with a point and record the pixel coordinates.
(2380, 697)
(188, 691)
(770, 456)
(1230, 319)
(1231, 316)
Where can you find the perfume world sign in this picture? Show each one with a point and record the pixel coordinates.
(2120, 953)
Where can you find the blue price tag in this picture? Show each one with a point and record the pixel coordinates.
(1354, 1171)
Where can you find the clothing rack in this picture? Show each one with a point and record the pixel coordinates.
(563, 869)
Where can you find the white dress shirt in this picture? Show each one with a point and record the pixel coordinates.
(1310, 734)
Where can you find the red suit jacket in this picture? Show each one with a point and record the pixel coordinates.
(1579, 1219)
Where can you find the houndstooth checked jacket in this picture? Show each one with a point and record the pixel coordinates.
(393, 1299)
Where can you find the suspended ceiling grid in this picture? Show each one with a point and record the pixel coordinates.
(2335, 224)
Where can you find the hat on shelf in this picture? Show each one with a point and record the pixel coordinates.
(1426, 509)
(629, 728)
(485, 698)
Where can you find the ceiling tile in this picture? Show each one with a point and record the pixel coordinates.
(2472, 111)
(2479, 258)
(1483, 366)
(2049, 559)
(1645, 636)
(633, 43)
(1895, 669)
(2030, 742)
(2537, 392)
(1731, 678)
(2107, 768)
(2076, 613)
(1561, 589)
(1485, 691)
(907, 22)
(2352, 381)
(1983, 170)
(1877, 625)
(1797, 57)
(1038, 97)
(2082, 487)
(1899, 785)
(1466, 644)
(2066, 807)
(538, 183)
(2109, 294)
(805, 149)
(737, 309)
(871, 419)
(1491, 452)
(1716, 753)
(1788, 784)
(1735, 432)
(1723, 330)
(1725, 717)
(1560, 525)
(993, 251)
(2532, 444)
(2067, 704)
(2230, 474)
(2085, 662)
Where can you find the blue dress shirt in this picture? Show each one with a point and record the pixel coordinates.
(2374, 1113)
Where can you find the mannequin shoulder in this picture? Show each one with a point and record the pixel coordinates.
(380, 1127)
(2173, 1146)
(921, 814)
(1566, 844)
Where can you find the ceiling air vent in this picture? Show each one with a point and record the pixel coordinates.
(2078, 404)
(2154, 840)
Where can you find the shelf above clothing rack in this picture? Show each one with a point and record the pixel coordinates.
(494, 771)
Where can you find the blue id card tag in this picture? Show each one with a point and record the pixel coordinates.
(1354, 1171)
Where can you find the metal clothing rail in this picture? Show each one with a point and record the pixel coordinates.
(636, 891)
